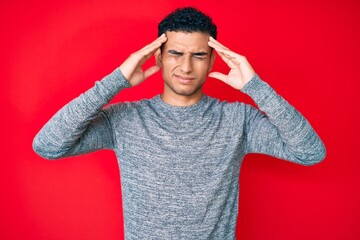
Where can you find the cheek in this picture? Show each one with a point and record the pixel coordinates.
(169, 64)
(203, 67)
(167, 69)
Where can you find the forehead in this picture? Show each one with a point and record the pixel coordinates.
(184, 41)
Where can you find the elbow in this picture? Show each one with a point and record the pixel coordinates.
(315, 160)
(45, 155)
(322, 154)
(317, 156)
(43, 151)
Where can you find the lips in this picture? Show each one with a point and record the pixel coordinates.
(183, 79)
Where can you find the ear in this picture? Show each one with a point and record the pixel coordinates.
(157, 56)
(212, 60)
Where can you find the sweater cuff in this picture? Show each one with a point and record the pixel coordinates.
(259, 91)
(112, 84)
(115, 80)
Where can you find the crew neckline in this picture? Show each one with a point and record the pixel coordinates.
(158, 100)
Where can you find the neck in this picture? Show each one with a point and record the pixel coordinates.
(181, 100)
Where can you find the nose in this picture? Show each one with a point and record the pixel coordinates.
(186, 64)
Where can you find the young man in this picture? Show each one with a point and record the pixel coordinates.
(180, 152)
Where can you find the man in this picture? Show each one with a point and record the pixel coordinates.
(180, 152)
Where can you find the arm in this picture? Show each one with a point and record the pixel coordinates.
(82, 125)
(283, 132)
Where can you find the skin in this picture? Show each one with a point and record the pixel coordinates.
(186, 60)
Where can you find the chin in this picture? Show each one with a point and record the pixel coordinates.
(188, 92)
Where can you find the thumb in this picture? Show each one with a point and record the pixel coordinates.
(218, 75)
(151, 71)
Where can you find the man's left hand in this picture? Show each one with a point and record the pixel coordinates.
(240, 72)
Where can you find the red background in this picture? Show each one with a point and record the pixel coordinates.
(51, 51)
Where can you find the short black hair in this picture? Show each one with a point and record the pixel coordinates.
(187, 19)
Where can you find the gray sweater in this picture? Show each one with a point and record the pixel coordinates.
(179, 165)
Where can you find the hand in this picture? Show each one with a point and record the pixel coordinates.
(131, 68)
(241, 71)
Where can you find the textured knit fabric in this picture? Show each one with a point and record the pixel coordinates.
(180, 165)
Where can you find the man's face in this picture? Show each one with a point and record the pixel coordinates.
(186, 59)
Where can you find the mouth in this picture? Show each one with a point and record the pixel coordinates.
(183, 79)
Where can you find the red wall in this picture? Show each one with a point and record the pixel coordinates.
(51, 51)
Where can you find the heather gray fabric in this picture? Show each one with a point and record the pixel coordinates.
(180, 165)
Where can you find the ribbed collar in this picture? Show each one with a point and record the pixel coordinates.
(181, 109)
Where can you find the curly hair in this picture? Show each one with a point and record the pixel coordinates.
(187, 19)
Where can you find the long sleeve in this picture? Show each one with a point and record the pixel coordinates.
(81, 126)
(282, 131)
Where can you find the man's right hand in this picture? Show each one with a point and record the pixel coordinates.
(131, 68)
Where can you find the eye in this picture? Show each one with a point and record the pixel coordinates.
(200, 57)
(175, 53)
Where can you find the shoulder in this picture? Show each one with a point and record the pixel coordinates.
(226, 106)
(125, 108)
(234, 111)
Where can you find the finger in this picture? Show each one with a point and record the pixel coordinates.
(151, 71)
(228, 60)
(217, 43)
(151, 48)
(229, 53)
(225, 50)
(225, 53)
(218, 75)
(160, 39)
(217, 46)
(139, 58)
(156, 43)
